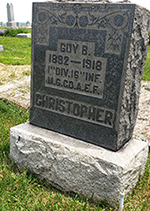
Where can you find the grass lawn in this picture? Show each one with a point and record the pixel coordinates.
(17, 51)
(146, 74)
(20, 191)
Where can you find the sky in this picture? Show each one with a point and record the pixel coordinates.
(23, 9)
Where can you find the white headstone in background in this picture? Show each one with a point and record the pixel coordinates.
(1, 48)
(28, 25)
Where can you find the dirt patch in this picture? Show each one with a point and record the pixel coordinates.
(18, 91)
(13, 72)
(142, 127)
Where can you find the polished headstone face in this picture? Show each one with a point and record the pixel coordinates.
(79, 67)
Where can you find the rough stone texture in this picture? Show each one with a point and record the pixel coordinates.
(101, 110)
(134, 72)
(73, 165)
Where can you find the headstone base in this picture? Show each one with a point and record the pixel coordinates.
(11, 24)
(73, 165)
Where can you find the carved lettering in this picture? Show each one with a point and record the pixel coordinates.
(73, 67)
(68, 47)
(86, 112)
(84, 49)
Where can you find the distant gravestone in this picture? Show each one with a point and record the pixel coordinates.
(10, 15)
(85, 84)
(1, 48)
(24, 35)
(28, 25)
(18, 24)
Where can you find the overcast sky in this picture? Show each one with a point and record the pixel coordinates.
(23, 9)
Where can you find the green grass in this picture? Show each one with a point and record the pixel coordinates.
(146, 74)
(23, 191)
(17, 51)
(14, 32)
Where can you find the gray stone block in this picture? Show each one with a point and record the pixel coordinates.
(11, 24)
(87, 66)
(74, 165)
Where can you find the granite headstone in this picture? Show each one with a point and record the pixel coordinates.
(87, 65)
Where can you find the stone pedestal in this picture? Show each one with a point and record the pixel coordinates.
(73, 165)
(11, 24)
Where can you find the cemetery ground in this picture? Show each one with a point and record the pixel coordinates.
(23, 191)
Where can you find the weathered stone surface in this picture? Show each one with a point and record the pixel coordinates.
(24, 35)
(134, 72)
(73, 165)
(87, 64)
